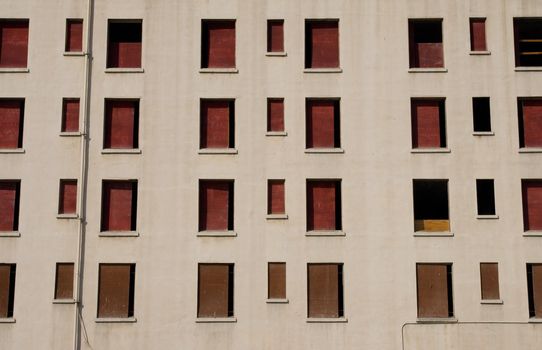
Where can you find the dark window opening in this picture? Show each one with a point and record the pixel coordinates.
(528, 41)
(431, 205)
(425, 41)
(485, 197)
(481, 114)
(124, 44)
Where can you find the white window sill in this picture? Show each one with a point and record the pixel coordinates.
(276, 54)
(218, 151)
(324, 150)
(67, 216)
(12, 150)
(483, 133)
(121, 151)
(430, 150)
(492, 302)
(219, 70)
(487, 217)
(115, 320)
(124, 70)
(323, 70)
(437, 320)
(480, 53)
(63, 301)
(118, 234)
(216, 320)
(14, 70)
(276, 133)
(528, 69)
(535, 320)
(530, 150)
(532, 234)
(277, 301)
(73, 53)
(432, 234)
(276, 216)
(10, 234)
(7, 320)
(323, 233)
(428, 70)
(70, 133)
(217, 234)
(327, 320)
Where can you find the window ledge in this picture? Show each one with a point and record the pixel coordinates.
(73, 53)
(67, 216)
(118, 234)
(217, 151)
(63, 301)
(216, 320)
(7, 320)
(428, 70)
(492, 302)
(323, 70)
(535, 320)
(10, 234)
(277, 301)
(432, 234)
(487, 217)
(14, 70)
(217, 234)
(115, 320)
(480, 53)
(276, 216)
(430, 150)
(324, 233)
(483, 133)
(219, 70)
(327, 320)
(530, 150)
(124, 70)
(437, 320)
(324, 150)
(276, 54)
(121, 151)
(276, 133)
(12, 150)
(528, 69)
(532, 234)
(70, 133)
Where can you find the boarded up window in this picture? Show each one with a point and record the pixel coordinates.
(13, 43)
(275, 114)
(9, 205)
(425, 41)
(428, 123)
(70, 115)
(481, 114)
(323, 123)
(534, 286)
(275, 35)
(215, 290)
(478, 34)
(7, 290)
(323, 205)
(215, 205)
(276, 280)
(275, 197)
(485, 196)
(217, 44)
(74, 35)
(217, 124)
(121, 126)
(67, 203)
(119, 205)
(434, 283)
(532, 205)
(489, 280)
(530, 122)
(325, 290)
(528, 42)
(322, 44)
(11, 123)
(64, 281)
(124, 44)
(431, 205)
(116, 290)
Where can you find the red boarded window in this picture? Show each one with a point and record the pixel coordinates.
(434, 284)
(275, 114)
(325, 290)
(7, 290)
(121, 127)
(74, 35)
(9, 205)
(323, 123)
(124, 44)
(217, 120)
(116, 290)
(530, 122)
(323, 205)
(534, 287)
(11, 123)
(68, 197)
(218, 44)
(275, 35)
(119, 205)
(70, 115)
(532, 205)
(428, 123)
(215, 205)
(275, 197)
(425, 41)
(215, 290)
(478, 34)
(322, 44)
(13, 43)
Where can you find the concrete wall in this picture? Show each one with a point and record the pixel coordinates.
(379, 250)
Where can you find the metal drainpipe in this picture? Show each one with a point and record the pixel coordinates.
(83, 178)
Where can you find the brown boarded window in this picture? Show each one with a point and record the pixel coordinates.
(215, 205)
(67, 203)
(218, 44)
(13, 43)
(478, 34)
(9, 205)
(7, 290)
(116, 290)
(74, 35)
(323, 123)
(121, 126)
(275, 114)
(276, 280)
(434, 285)
(431, 205)
(217, 123)
(64, 281)
(119, 205)
(275, 35)
(425, 41)
(215, 290)
(275, 197)
(489, 281)
(532, 204)
(534, 286)
(530, 122)
(11, 123)
(124, 44)
(70, 115)
(325, 290)
(528, 42)
(321, 43)
(323, 205)
(428, 123)
(481, 114)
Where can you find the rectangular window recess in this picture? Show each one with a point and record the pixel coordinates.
(528, 69)
(322, 233)
(487, 217)
(10, 234)
(322, 70)
(78, 53)
(327, 320)
(217, 234)
(532, 234)
(483, 133)
(276, 133)
(12, 150)
(116, 320)
(14, 70)
(492, 302)
(437, 320)
(277, 301)
(121, 151)
(324, 150)
(216, 320)
(67, 216)
(433, 234)
(63, 301)
(430, 150)
(219, 70)
(479, 53)
(217, 151)
(118, 234)
(276, 54)
(70, 134)
(530, 150)
(428, 70)
(7, 320)
(125, 70)
(276, 216)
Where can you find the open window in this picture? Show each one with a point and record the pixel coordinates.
(431, 206)
(425, 41)
(528, 42)
(485, 197)
(481, 114)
